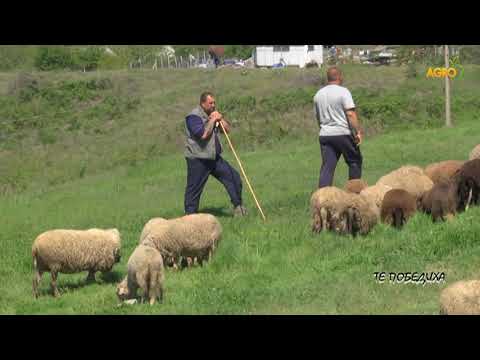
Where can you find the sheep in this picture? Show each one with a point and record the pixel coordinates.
(145, 271)
(195, 235)
(326, 205)
(475, 153)
(461, 298)
(468, 180)
(375, 194)
(355, 186)
(151, 224)
(359, 216)
(441, 201)
(72, 251)
(168, 261)
(397, 207)
(409, 178)
(443, 170)
(335, 209)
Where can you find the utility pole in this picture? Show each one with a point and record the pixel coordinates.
(448, 119)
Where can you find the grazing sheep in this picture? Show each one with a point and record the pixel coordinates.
(397, 207)
(443, 170)
(409, 178)
(441, 201)
(345, 213)
(151, 224)
(355, 186)
(72, 251)
(145, 271)
(468, 180)
(326, 205)
(475, 153)
(195, 235)
(359, 216)
(375, 194)
(461, 298)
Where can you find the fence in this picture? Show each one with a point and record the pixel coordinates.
(154, 62)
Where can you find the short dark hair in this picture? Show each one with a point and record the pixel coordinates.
(204, 96)
(333, 73)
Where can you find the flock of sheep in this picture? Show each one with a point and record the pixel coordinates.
(442, 190)
(189, 239)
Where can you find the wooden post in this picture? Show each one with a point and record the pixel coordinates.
(448, 119)
(181, 61)
(176, 64)
(161, 61)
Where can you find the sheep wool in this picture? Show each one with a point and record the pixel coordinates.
(398, 207)
(461, 298)
(443, 170)
(195, 235)
(326, 206)
(475, 153)
(151, 224)
(145, 272)
(72, 251)
(355, 186)
(408, 178)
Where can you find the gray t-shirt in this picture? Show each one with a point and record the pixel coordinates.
(330, 104)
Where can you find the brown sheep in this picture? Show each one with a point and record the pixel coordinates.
(355, 186)
(441, 201)
(443, 170)
(468, 181)
(397, 207)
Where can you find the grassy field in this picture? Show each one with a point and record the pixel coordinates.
(277, 267)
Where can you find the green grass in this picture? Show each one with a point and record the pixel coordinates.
(277, 267)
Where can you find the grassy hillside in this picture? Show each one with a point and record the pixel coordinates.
(272, 267)
(57, 127)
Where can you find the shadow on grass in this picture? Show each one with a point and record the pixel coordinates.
(217, 211)
(112, 277)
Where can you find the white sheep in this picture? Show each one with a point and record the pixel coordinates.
(194, 236)
(145, 271)
(408, 178)
(151, 224)
(375, 194)
(72, 251)
(461, 298)
(337, 210)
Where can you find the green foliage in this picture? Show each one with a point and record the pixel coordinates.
(88, 58)
(51, 58)
(238, 51)
(470, 54)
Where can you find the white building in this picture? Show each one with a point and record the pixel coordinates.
(291, 55)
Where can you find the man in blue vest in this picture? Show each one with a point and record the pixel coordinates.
(202, 153)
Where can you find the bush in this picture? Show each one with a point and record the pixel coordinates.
(88, 58)
(54, 58)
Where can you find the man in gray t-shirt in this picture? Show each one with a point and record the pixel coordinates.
(340, 132)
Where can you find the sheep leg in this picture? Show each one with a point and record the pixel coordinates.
(90, 276)
(36, 281)
(324, 219)
(469, 199)
(54, 284)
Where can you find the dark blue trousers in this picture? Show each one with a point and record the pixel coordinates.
(331, 148)
(198, 171)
